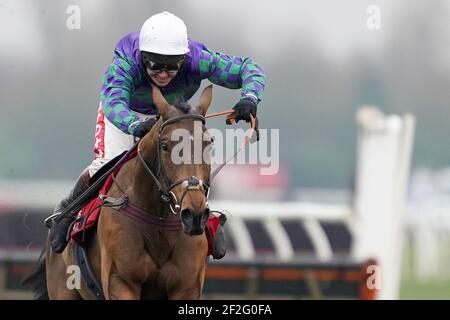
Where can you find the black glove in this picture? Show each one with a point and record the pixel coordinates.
(144, 127)
(243, 108)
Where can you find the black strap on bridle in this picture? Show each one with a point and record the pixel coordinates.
(181, 117)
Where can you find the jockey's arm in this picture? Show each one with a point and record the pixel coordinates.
(233, 72)
(117, 88)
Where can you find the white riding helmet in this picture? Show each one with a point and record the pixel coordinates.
(164, 33)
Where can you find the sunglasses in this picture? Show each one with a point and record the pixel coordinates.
(160, 67)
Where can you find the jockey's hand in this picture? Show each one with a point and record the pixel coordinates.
(144, 127)
(243, 108)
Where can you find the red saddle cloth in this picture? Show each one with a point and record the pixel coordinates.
(92, 211)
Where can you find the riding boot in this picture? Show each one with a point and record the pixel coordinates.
(219, 247)
(60, 220)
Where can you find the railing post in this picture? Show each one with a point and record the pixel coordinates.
(383, 163)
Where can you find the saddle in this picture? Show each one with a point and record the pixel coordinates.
(95, 184)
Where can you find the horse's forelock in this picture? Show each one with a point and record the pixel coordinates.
(183, 106)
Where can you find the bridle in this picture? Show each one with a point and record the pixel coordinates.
(165, 189)
(193, 183)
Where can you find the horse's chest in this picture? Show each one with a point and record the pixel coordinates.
(161, 278)
(159, 247)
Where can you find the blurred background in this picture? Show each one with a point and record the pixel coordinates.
(322, 64)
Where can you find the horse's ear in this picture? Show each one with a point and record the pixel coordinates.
(159, 100)
(205, 100)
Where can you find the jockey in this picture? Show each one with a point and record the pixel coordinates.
(160, 54)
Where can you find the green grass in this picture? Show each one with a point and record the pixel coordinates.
(425, 291)
(411, 288)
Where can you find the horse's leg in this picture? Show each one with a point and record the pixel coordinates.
(188, 263)
(124, 263)
(123, 289)
(57, 277)
(120, 277)
(189, 290)
(115, 286)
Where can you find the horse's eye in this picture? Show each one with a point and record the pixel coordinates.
(164, 146)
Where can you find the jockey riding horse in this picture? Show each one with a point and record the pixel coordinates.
(160, 54)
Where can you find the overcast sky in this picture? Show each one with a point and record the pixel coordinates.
(339, 27)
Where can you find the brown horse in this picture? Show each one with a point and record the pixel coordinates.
(133, 260)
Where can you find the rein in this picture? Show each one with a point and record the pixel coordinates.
(248, 137)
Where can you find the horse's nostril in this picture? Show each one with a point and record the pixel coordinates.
(186, 214)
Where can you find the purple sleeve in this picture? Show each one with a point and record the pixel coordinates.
(228, 71)
(120, 80)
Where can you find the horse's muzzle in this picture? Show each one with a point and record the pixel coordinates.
(194, 222)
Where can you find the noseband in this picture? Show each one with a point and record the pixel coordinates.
(193, 183)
